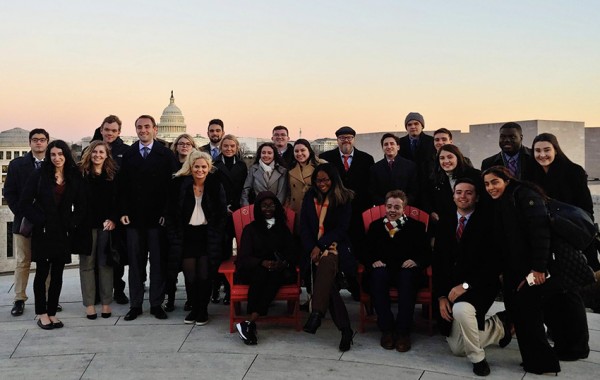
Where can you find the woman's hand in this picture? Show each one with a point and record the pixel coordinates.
(409, 264)
(378, 264)
(108, 225)
(315, 254)
(434, 216)
(445, 309)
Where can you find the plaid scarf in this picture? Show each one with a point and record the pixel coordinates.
(393, 227)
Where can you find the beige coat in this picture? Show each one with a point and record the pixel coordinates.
(299, 181)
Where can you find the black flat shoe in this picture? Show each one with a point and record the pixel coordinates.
(313, 323)
(106, 315)
(49, 326)
(58, 325)
(91, 316)
(58, 308)
(18, 308)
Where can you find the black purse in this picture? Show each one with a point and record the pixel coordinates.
(26, 227)
(569, 265)
(112, 254)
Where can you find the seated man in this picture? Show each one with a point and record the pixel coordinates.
(466, 282)
(399, 250)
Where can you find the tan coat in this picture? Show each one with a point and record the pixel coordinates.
(299, 181)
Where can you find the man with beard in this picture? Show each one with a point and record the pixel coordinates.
(216, 130)
(514, 156)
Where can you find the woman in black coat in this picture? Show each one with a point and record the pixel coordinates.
(266, 261)
(232, 171)
(524, 230)
(195, 222)
(324, 223)
(99, 171)
(564, 180)
(399, 250)
(54, 201)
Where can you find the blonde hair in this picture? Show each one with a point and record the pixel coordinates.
(86, 166)
(186, 169)
(183, 136)
(232, 138)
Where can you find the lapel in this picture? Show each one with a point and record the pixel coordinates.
(302, 175)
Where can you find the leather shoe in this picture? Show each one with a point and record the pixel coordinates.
(58, 325)
(91, 316)
(18, 308)
(58, 308)
(49, 326)
(503, 316)
(121, 298)
(313, 323)
(482, 368)
(347, 339)
(158, 312)
(403, 343)
(169, 306)
(106, 315)
(133, 313)
(387, 340)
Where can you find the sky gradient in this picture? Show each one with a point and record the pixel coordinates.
(314, 65)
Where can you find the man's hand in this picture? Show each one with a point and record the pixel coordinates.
(125, 220)
(456, 292)
(445, 309)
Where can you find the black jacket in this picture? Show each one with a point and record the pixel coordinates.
(424, 157)
(440, 195)
(144, 184)
(101, 199)
(526, 163)
(232, 180)
(19, 171)
(59, 228)
(473, 260)
(402, 176)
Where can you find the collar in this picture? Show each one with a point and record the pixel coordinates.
(149, 145)
(342, 154)
(506, 157)
(467, 216)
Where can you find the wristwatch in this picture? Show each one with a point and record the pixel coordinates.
(465, 285)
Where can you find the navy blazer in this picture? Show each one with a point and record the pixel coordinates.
(402, 176)
(526, 163)
(19, 171)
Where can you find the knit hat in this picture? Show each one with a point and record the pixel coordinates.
(345, 131)
(414, 116)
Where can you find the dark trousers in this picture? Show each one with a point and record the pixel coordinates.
(137, 240)
(403, 280)
(198, 282)
(326, 295)
(47, 305)
(263, 288)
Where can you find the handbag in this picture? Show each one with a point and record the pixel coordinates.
(569, 265)
(26, 227)
(112, 254)
(571, 223)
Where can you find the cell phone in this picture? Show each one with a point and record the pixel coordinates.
(530, 279)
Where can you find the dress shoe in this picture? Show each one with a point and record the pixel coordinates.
(170, 306)
(403, 343)
(481, 368)
(347, 339)
(158, 312)
(133, 313)
(313, 323)
(58, 308)
(106, 315)
(49, 326)
(58, 325)
(387, 340)
(18, 308)
(91, 316)
(187, 306)
(503, 316)
(121, 298)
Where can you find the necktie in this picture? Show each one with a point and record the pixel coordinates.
(214, 153)
(413, 146)
(145, 151)
(391, 164)
(38, 164)
(346, 163)
(512, 166)
(461, 227)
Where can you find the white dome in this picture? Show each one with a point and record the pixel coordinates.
(172, 122)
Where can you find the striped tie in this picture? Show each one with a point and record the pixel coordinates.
(461, 227)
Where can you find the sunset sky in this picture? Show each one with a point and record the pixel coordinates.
(315, 65)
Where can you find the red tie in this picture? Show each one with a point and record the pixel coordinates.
(391, 164)
(461, 227)
(346, 164)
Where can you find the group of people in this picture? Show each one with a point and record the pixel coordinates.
(127, 205)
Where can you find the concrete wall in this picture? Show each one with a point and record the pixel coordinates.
(592, 153)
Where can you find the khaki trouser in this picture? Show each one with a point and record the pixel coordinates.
(23, 256)
(87, 264)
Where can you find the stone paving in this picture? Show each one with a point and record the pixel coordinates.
(148, 348)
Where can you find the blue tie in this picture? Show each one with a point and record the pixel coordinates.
(215, 153)
(145, 151)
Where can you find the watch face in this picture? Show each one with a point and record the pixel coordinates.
(465, 285)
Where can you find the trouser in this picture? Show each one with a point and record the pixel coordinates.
(119, 237)
(23, 265)
(49, 304)
(404, 281)
(197, 280)
(263, 288)
(326, 295)
(87, 265)
(465, 337)
(140, 243)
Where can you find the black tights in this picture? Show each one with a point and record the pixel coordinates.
(197, 282)
(48, 305)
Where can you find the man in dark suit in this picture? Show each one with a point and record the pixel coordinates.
(465, 280)
(393, 173)
(418, 147)
(354, 167)
(281, 138)
(215, 132)
(144, 179)
(19, 170)
(514, 155)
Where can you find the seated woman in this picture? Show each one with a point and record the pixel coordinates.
(399, 252)
(267, 260)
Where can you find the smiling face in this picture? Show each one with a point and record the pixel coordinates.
(145, 130)
(414, 128)
(510, 141)
(280, 138)
(394, 208)
(215, 133)
(465, 197)
(323, 182)
(200, 169)
(390, 147)
(267, 208)
(345, 143)
(110, 132)
(99, 155)
(441, 139)
(184, 147)
(544, 154)
(448, 161)
(267, 155)
(57, 157)
(494, 185)
(229, 148)
(301, 153)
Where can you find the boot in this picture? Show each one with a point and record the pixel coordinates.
(313, 323)
(346, 342)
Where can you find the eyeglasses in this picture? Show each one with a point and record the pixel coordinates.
(36, 140)
(184, 144)
(345, 138)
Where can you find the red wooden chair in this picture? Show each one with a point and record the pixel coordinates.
(424, 295)
(239, 292)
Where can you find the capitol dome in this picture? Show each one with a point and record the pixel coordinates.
(172, 122)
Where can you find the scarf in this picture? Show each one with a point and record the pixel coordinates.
(270, 223)
(321, 213)
(268, 170)
(394, 226)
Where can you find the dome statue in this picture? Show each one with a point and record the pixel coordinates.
(172, 123)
